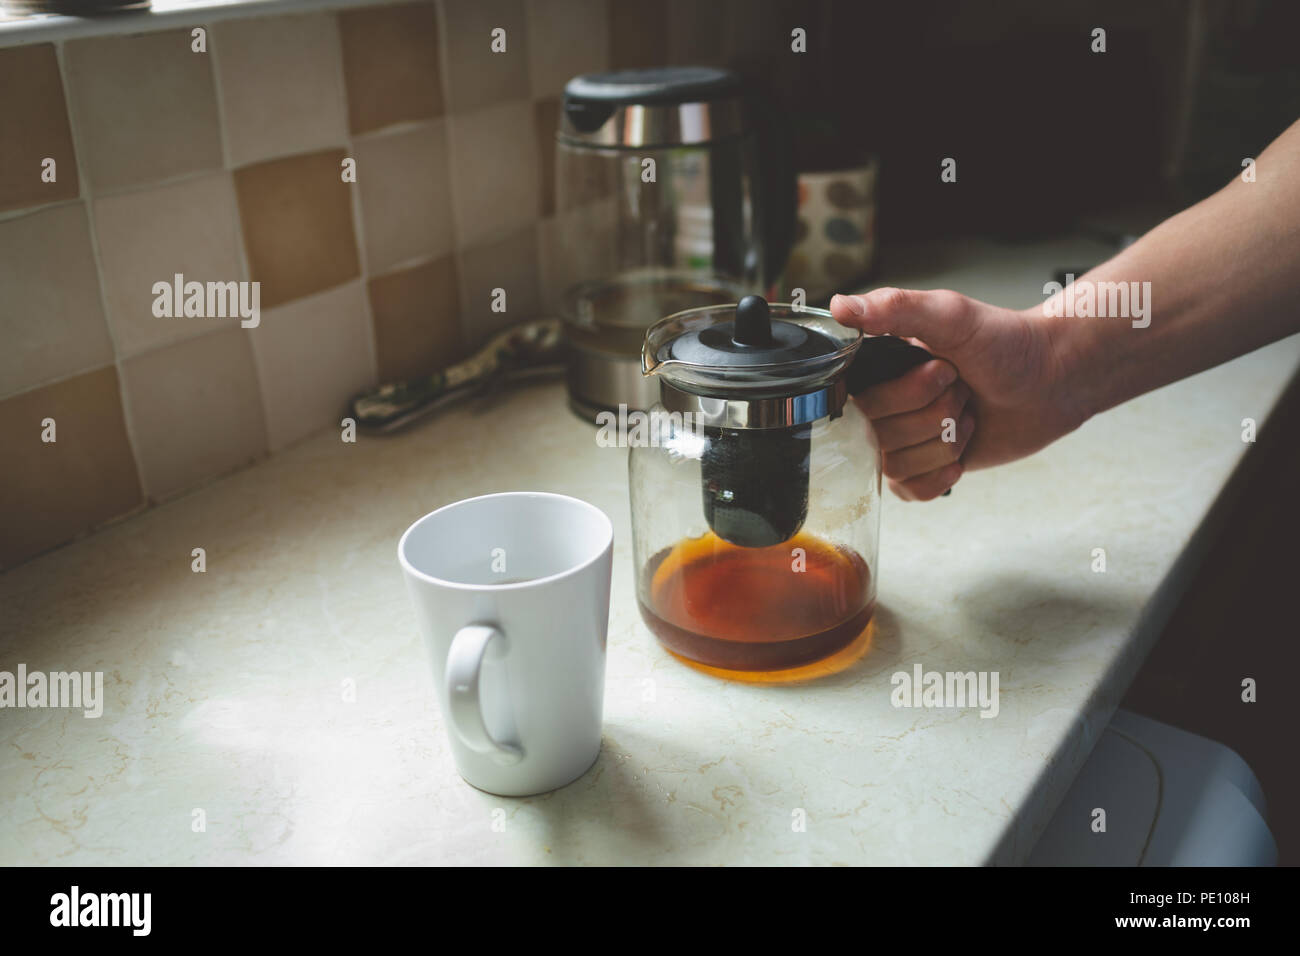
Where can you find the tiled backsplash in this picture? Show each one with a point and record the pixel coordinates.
(226, 166)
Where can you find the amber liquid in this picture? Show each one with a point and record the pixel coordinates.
(752, 609)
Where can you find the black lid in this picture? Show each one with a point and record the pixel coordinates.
(590, 100)
(750, 338)
(661, 86)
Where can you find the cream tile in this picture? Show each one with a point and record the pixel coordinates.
(565, 39)
(195, 411)
(476, 76)
(509, 264)
(35, 128)
(281, 85)
(51, 322)
(145, 107)
(495, 178)
(405, 188)
(151, 235)
(312, 356)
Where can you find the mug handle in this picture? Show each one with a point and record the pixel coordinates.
(464, 663)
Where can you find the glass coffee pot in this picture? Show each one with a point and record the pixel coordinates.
(756, 490)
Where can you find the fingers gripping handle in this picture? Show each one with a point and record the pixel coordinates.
(465, 710)
(881, 358)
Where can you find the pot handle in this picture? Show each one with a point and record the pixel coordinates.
(880, 358)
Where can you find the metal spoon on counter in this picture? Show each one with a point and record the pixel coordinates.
(529, 350)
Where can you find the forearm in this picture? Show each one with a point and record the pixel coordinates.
(1224, 279)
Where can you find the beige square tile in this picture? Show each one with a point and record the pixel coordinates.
(35, 128)
(509, 264)
(390, 65)
(312, 355)
(297, 219)
(417, 320)
(405, 188)
(566, 38)
(52, 491)
(195, 411)
(149, 236)
(476, 76)
(495, 175)
(145, 107)
(281, 85)
(51, 322)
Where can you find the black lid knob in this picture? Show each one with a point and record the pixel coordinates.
(747, 335)
(753, 322)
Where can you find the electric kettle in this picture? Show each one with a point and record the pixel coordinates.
(674, 189)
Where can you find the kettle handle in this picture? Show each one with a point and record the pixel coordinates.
(778, 184)
(881, 358)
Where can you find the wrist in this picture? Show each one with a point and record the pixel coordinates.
(1078, 383)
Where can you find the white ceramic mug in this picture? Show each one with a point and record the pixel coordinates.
(512, 594)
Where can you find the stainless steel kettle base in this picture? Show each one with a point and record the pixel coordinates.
(584, 410)
(602, 381)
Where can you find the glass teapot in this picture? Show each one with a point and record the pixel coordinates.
(756, 492)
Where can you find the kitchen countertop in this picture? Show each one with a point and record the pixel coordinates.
(224, 689)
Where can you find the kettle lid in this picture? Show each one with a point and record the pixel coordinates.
(665, 106)
(669, 85)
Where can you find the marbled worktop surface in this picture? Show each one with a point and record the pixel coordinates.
(223, 689)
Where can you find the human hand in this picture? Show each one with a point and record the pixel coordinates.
(999, 375)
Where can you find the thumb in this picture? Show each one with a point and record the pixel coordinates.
(943, 320)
